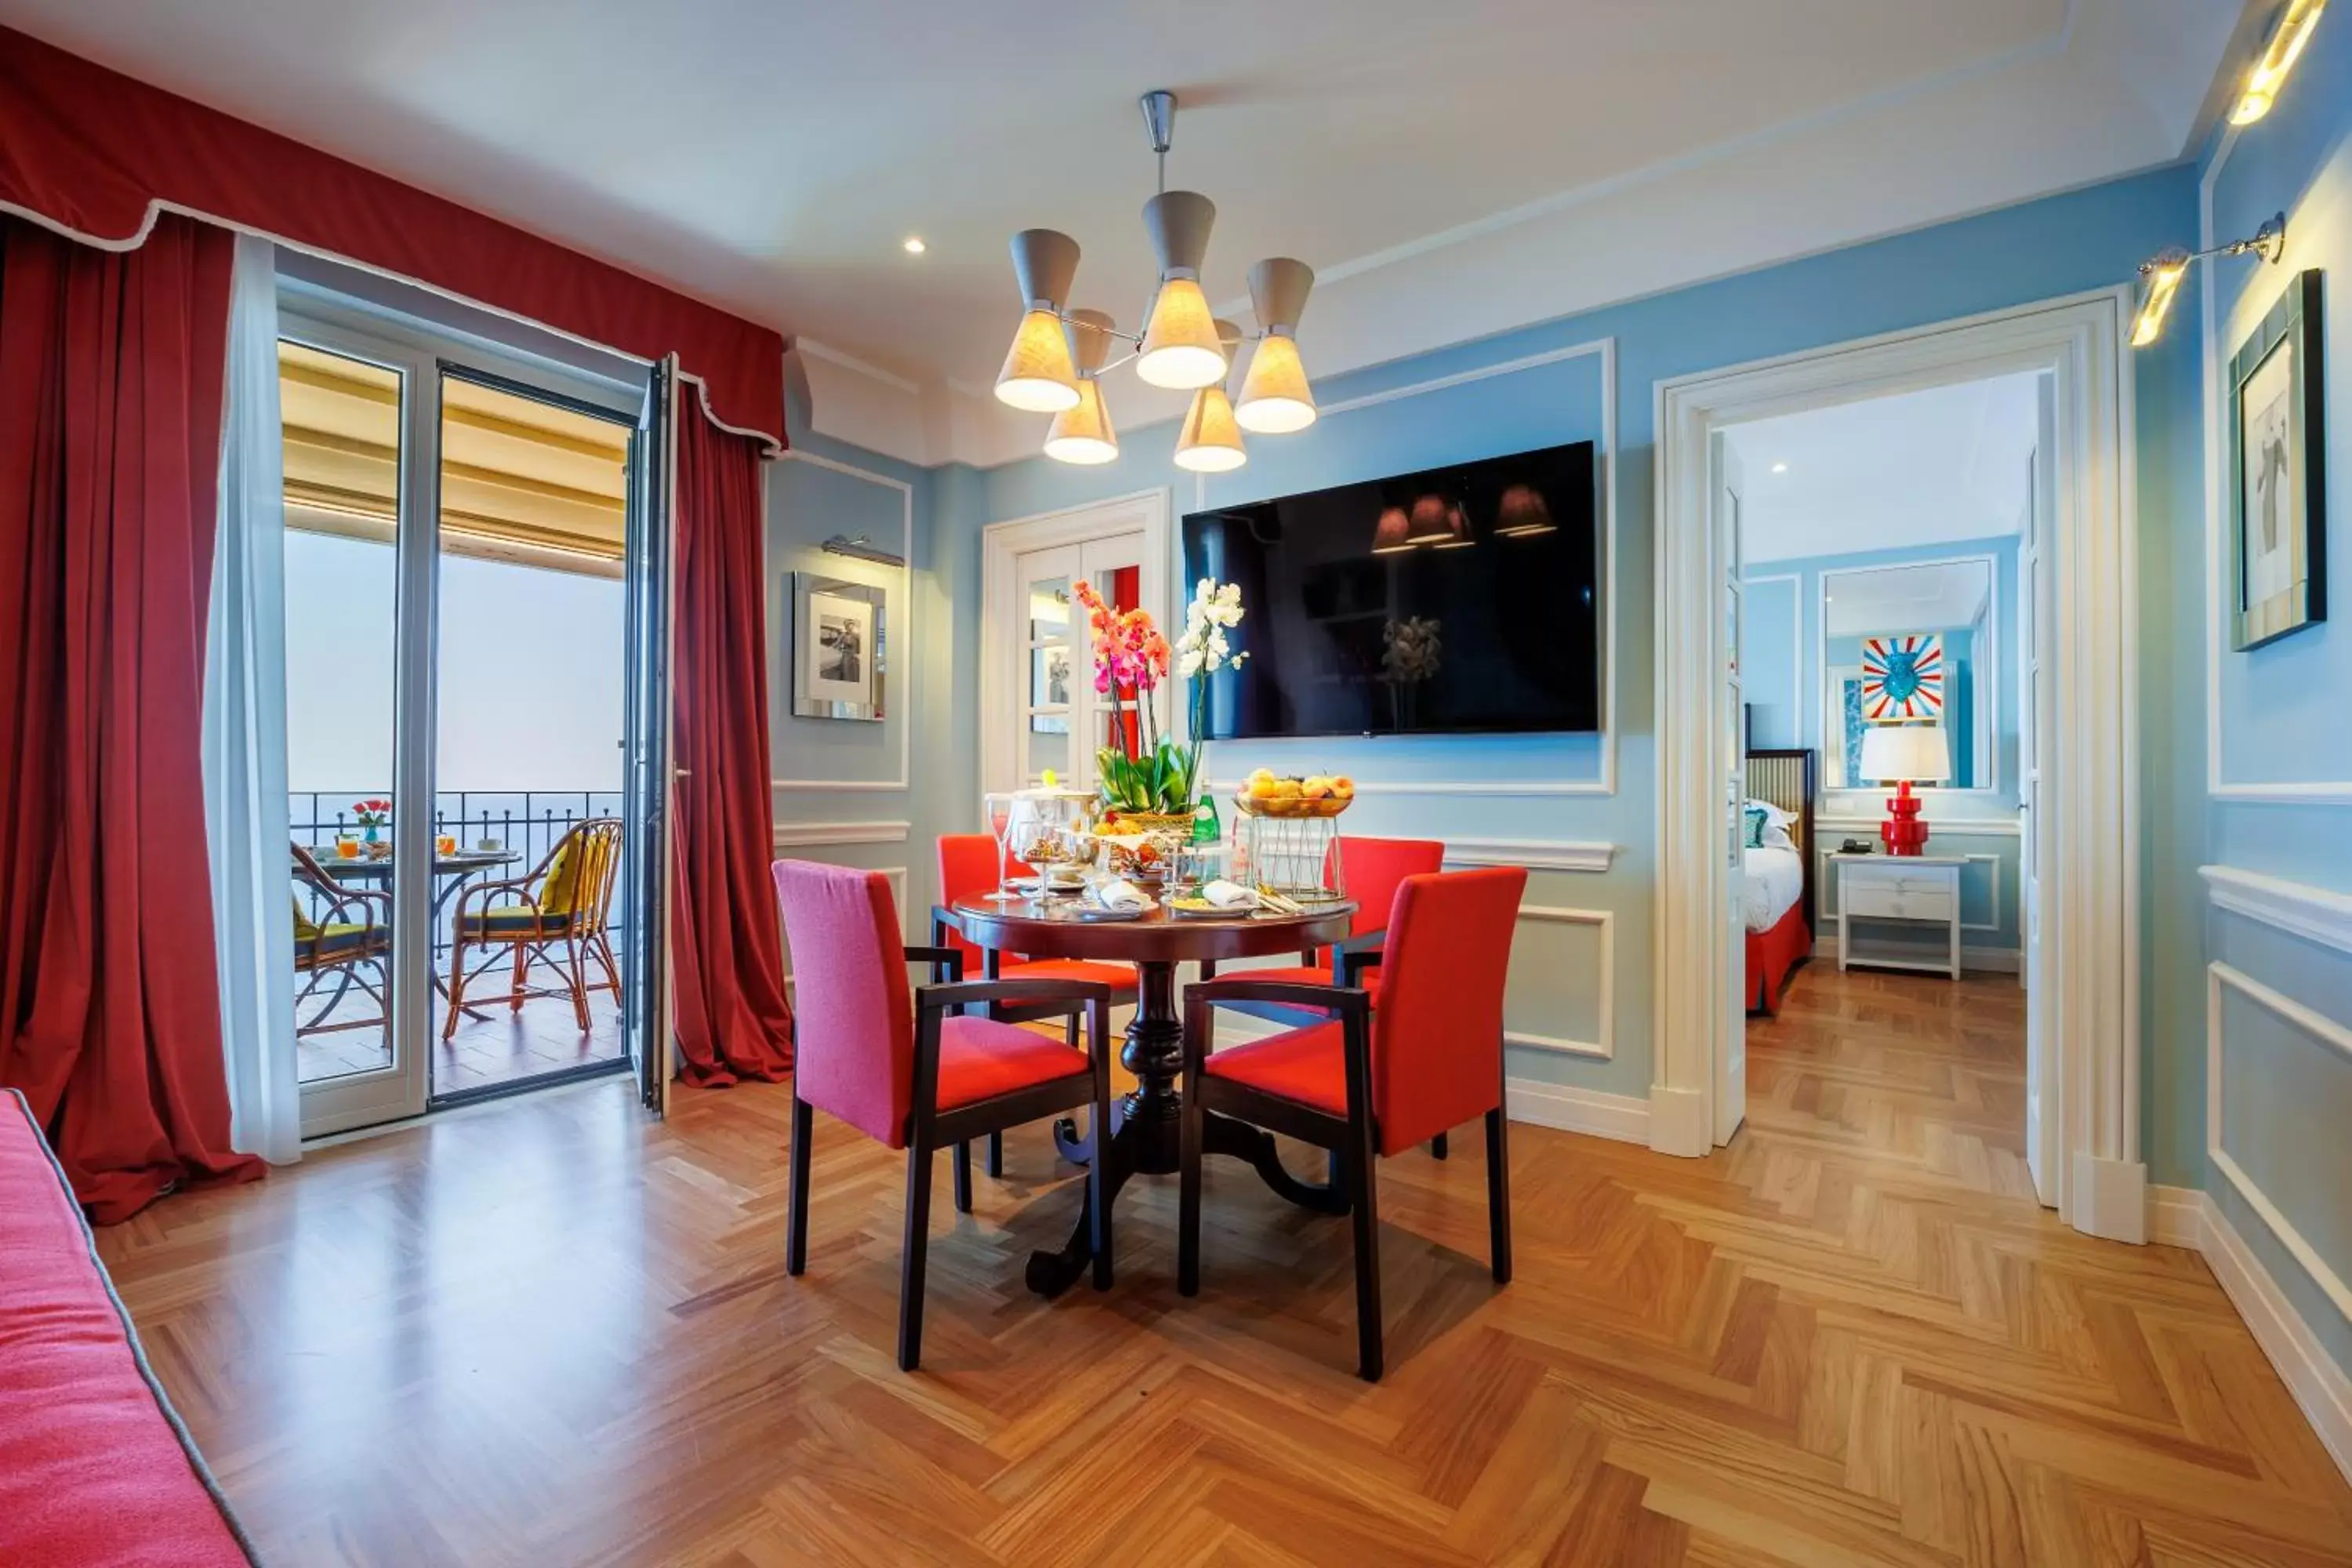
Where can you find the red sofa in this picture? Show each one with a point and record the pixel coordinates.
(95, 1469)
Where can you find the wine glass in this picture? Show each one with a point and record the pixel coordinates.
(999, 808)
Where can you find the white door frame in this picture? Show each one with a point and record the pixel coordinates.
(2089, 1009)
(1001, 543)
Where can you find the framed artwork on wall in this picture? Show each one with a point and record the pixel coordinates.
(837, 649)
(2277, 472)
(1903, 677)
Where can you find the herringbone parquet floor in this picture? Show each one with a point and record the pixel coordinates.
(545, 1334)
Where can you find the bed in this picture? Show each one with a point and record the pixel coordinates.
(1777, 894)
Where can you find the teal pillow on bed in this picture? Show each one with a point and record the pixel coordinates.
(1758, 820)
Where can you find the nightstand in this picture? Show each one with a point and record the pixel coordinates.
(1892, 907)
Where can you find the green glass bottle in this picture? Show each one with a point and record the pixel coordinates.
(1206, 827)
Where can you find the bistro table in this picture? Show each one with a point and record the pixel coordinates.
(451, 871)
(1145, 1136)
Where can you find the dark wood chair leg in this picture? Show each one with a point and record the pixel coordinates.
(1437, 1147)
(911, 1256)
(996, 1156)
(1498, 1195)
(963, 1177)
(1361, 1204)
(1098, 1196)
(796, 1200)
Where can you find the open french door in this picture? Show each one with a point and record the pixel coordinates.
(647, 1020)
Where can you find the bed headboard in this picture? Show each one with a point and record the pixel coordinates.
(1785, 778)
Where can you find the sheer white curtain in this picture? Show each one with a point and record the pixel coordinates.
(245, 732)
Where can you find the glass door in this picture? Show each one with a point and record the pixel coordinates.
(647, 1019)
(459, 529)
(350, 412)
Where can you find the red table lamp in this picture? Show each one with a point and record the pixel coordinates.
(1905, 754)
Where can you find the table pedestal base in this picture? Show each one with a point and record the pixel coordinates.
(1146, 1133)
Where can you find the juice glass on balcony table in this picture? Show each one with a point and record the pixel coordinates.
(347, 848)
(446, 844)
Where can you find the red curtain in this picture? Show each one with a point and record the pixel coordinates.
(727, 952)
(112, 370)
(94, 152)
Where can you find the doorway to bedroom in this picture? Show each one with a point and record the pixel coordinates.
(1886, 558)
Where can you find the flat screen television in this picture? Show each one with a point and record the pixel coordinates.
(1461, 600)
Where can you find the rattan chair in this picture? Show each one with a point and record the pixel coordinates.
(347, 929)
(565, 900)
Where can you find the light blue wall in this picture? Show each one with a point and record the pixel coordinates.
(2088, 239)
(2285, 716)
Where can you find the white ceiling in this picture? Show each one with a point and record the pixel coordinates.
(1921, 468)
(1937, 597)
(1449, 169)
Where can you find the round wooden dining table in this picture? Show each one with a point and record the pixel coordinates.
(1145, 1136)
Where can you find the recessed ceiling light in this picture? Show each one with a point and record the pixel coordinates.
(914, 245)
(1779, 467)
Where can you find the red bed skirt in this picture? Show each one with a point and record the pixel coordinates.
(1772, 953)
(96, 1471)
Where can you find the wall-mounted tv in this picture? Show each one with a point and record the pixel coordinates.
(1460, 600)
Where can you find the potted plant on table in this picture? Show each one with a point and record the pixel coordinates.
(375, 815)
(1150, 781)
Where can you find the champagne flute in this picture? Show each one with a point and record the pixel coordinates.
(999, 808)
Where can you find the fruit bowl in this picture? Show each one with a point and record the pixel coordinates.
(1262, 795)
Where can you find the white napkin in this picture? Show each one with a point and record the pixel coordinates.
(1119, 893)
(1228, 895)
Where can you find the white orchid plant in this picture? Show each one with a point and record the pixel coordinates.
(1204, 649)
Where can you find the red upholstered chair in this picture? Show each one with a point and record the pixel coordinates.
(1368, 869)
(967, 871)
(1371, 1082)
(917, 1073)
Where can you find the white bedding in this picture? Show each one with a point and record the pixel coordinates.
(1774, 880)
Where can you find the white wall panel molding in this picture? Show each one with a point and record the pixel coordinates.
(902, 635)
(832, 834)
(1605, 1000)
(2314, 914)
(1535, 853)
(2318, 1027)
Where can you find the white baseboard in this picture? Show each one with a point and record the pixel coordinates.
(1679, 1122)
(1973, 960)
(2110, 1198)
(1621, 1117)
(2319, 1387)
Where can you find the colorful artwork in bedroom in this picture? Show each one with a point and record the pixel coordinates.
(1903, 677)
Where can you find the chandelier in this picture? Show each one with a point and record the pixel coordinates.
(1058, 354)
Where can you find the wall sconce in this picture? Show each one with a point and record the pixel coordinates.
(2287, 38)
(2160, 275)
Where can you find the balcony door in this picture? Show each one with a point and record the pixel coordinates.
(469, 533)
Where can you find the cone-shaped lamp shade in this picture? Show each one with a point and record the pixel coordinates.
(1039, 377)
(1432, 520)
(1393, 534)
(1212, 442)
(1180, 349)
(1083, 434)
(1276, 399)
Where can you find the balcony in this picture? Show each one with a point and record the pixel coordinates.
(341, 1013)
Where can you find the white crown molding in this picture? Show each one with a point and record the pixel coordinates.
(1621, 1118)
(1534, 854)
(841, 359)
(2321, 1028)
(1468, 789)
(902, 635)
(812, 834)
(2314, 914)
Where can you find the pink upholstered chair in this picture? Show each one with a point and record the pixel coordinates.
(918, 1072)
(1371, 1081)
(967, 870)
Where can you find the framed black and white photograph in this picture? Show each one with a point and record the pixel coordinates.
(837, 648)
(2277, 473)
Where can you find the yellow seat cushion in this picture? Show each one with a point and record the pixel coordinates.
(562, 879)
(517, 919)
(336, 939)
